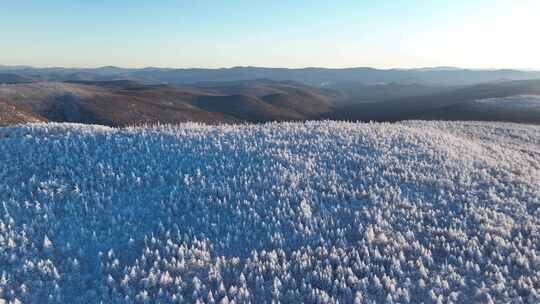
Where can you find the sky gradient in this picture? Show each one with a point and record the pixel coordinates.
(300, 33)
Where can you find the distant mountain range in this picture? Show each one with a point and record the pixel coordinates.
(118, 97)
(312, 76)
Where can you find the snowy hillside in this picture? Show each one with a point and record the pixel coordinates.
(520, 101)
(322, 212)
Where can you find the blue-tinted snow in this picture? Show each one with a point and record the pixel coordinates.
(322, 212)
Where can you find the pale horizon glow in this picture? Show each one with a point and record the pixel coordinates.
(476, 34)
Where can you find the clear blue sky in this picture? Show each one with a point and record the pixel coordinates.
(292, 33)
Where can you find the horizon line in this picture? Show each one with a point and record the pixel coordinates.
(440, 67)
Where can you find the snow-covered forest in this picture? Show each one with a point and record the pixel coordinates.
(317, 212)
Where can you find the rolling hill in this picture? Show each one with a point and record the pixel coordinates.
(460, 104)
(11, 78)
(11, 115)
(125, 102)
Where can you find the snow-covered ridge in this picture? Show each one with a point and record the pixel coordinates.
(518, 101)
(319, 212)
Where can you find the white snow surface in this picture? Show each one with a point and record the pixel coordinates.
(317, 212)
